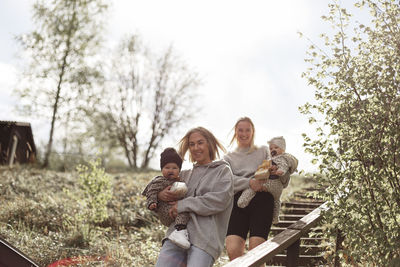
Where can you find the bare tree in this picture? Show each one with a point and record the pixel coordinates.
(172, 100)
(147, 97)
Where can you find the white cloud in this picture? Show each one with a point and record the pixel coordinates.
(7, 83)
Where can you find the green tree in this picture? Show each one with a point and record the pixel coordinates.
(356, 76)
(61, 64)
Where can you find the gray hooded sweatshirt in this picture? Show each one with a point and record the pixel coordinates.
(209, 201)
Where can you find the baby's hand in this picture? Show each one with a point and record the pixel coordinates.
(153, 206)
(279, 172)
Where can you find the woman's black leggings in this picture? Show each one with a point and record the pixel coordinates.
(256, 218)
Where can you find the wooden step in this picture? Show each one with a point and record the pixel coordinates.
(290, 217)
(301, 204)
(312, 189)
(317, 231)
(293, 218)
(304, 260)
(276, 230)
(291, 210)
(284, 224)
(312, 249)
(303, 195)
(312, 240)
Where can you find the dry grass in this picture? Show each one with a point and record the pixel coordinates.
(34, 206)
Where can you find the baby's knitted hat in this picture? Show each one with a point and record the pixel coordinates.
(278, 141)
(170, 155)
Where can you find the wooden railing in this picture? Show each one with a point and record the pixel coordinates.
(12, 257)
(288, 239)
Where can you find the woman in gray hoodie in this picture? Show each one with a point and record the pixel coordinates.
(209, 201)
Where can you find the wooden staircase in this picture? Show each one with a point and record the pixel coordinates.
(311, 247)
(296, 240)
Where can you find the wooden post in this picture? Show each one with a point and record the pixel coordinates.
(292, 256)
(13, 149)
(338, 247)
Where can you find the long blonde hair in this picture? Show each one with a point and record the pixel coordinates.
(212, 142)
(234, 129)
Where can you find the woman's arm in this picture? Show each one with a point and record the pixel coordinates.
(244, 182)
(256, 185)
(166, 195)
(240, 183)
(212, 202)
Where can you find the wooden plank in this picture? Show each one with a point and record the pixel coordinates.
(308, 221)
(276, 230)
(283, 223)
(312, 240)
(298, 204)
(13, 149)
(290, 217)
(299, 211)
(304, 196)
(267, 250)
(304, 260)
(311, 249)
(11, 256)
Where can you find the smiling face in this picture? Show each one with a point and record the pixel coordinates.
(275, 150)
(244, 133)
(199, 150)
(170, 170)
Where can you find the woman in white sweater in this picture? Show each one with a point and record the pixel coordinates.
(209, 202)
(256, 218)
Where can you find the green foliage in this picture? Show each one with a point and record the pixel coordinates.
(60, 63)
(356, 116)
(92, 198)
(96, 190)
(33, 215)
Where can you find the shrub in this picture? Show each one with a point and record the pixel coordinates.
(357, 145)
(92, 198)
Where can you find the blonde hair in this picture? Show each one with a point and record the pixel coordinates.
(246, 119)
(212, 142)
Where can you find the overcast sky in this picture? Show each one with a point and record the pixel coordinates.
(247, 52)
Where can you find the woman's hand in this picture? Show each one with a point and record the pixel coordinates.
(256, 185)
(166, 195)
(173, 211)
(273, 169)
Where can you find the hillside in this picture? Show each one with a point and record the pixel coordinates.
(39, 217)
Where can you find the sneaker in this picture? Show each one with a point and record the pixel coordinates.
(180, 238)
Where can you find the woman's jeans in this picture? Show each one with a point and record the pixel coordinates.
(173, 256)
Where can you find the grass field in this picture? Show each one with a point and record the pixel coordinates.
(37, 216)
